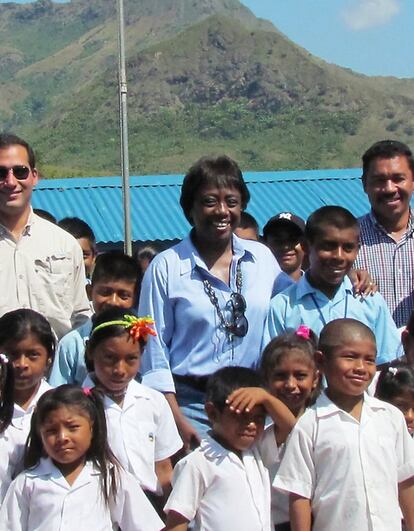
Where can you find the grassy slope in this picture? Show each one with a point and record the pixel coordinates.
(197, 85)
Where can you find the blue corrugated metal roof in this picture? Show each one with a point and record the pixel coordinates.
(156, 213)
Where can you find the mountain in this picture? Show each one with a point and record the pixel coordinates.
(204, 76)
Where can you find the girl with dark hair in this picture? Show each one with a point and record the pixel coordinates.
(72, 480)
(289, 370)
(396, 386)
(141, 428)
(27, 341)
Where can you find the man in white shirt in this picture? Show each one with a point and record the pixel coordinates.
(41, 265)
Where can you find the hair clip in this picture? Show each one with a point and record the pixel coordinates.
(4, 359)
(87, 391)
(393, 370)
(139, 327)
(303, 331)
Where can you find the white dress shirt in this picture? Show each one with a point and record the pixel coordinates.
(141, 432)
(13, 440)
(44, 271)
(40, 499)
(220, 491)
(349, 470)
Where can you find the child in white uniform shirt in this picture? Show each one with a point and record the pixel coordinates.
(27, 340)
(289, 370)
(224, 484)
(72, 481)
(141, 429)
(349, 461)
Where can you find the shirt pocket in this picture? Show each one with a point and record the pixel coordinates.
(54, 273)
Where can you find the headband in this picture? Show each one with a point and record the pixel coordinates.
(138, 327)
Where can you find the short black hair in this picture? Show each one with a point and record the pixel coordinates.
(45, 215)
(221, 171)
(116, 265)
(78, 228)
(9, 139)
(148, 252)
(334, 216)
(385, 149)
(247, 221)
(410, 324)
(224, 381)
(337, 331)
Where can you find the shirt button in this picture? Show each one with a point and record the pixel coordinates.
(21, 277)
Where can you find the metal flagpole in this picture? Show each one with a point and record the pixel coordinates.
(123, 121)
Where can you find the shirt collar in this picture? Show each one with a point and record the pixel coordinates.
(46, 468)
(213, 450)
(134, 390)
(26, 231)
(378, 226)
(303, 288)
(190, 257)
(20, 412)
(324, 407)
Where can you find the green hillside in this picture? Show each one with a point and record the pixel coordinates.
(203, 77)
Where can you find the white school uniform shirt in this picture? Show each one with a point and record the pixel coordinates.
(220, 491)
(141, 432)
(13, 439)
(272, 455)
(349, 470)
(40, 499)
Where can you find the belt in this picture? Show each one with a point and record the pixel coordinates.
(196, 382)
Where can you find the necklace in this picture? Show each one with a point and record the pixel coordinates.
(238, 326)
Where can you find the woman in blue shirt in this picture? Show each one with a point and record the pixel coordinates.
(209, 295)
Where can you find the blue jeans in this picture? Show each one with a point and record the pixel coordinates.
(191, 402)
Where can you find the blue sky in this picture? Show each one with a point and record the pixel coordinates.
(373, 37)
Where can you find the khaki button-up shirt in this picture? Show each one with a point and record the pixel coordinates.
(44, 271)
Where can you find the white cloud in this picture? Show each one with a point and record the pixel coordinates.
(365, 14)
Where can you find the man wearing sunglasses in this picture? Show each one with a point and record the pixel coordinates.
(41, 265)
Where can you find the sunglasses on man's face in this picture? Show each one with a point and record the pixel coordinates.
(20, 172)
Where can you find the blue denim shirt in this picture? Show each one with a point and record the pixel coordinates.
(190, 340)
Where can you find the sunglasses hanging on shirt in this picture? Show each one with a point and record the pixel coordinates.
(238, 325)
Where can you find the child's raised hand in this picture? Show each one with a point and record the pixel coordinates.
(246, 398)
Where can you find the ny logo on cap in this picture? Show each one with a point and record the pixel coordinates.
(285, 215)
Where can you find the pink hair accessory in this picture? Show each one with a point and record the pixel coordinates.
(87, 391)
(303, 331)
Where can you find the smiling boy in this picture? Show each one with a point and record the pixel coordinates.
(349, 463)
(115, 284)
(325, 292)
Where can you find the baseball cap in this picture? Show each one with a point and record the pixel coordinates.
(283, 218)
